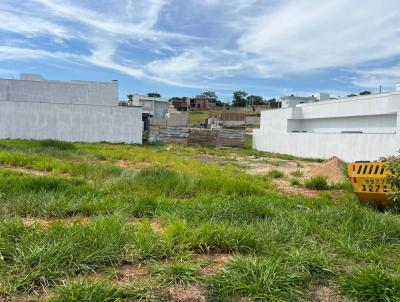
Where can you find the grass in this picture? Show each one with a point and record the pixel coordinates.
(96, 207)
(258, 279)
(275, 174)
(316, 183)
(372, 284)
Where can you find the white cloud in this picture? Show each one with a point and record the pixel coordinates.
(30, 26)
(299, 36)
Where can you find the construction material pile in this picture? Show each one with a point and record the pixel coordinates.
(332, 169)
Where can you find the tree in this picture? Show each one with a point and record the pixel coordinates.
(239, 98)
(351, 95)
(255, 100)
(154, 95)
(365, 92)
(130, 98)
(272, 103)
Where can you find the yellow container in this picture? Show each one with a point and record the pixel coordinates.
(370, 182)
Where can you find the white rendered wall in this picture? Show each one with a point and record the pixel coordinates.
(68, 111)
(74, 123)
(275, 133)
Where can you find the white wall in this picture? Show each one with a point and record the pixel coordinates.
(68, 111)
(372, 114)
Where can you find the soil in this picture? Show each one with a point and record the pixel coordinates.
(331, 169)
(157, 227)
(178, 293)
(323, 293)
(129, 273)
(285, 187)
(216, 263)
(29, 171)
(128, 164)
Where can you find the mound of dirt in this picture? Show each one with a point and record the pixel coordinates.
(331, 169)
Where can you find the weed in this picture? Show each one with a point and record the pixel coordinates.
(297, 173)
(371, 284)
(257, 279)
(84, 291)
(316, 183)
(178, 271)
(275, 174)
(295, 181)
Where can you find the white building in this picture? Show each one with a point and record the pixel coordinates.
(357, 128)
(154, 106)
(35, 108)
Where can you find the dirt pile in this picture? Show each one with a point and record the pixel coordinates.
(332, 169)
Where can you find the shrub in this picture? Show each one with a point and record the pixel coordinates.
(258, 279)
(371, 284)
(394, 181)
(275, 174)
(317, 183)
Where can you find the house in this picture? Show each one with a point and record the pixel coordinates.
(363, 127)
(35, 108)
(180, 104)
(200, 102)
(151, 106)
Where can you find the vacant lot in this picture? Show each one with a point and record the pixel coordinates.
(100, 222)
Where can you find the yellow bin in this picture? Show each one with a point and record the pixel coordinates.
(370, 182)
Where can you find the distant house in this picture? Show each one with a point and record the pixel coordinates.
(180, 104)
(200, 102)
(151, 106)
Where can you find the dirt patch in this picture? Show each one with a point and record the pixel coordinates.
(47, 222)
(186, 294)
(157, 227)
(128, 164)
(28, 171)
(216, 263)
(323, 293)
(261, 166)
(129, 273)
(331, 169)
(285, 187)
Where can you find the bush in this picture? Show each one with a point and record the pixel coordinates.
(394, 181)
(371, 284)
(275, 174)
(317, 183)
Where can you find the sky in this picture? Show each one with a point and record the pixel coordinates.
(269, 48)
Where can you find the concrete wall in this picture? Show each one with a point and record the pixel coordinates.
(84, 112)
(377, 116)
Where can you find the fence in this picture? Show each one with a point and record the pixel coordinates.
(196, 136)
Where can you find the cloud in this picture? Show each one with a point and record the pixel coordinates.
(209, 43)
(135, 19)
(301, 36)
(30, 26)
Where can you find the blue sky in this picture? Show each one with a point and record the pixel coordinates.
(183, 47)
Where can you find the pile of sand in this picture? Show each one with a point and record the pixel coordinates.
(332, 169)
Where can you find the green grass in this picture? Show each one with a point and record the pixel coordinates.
(163, 208)
(371, 284)
(316, 183)
(258, 279)
(275, 174)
